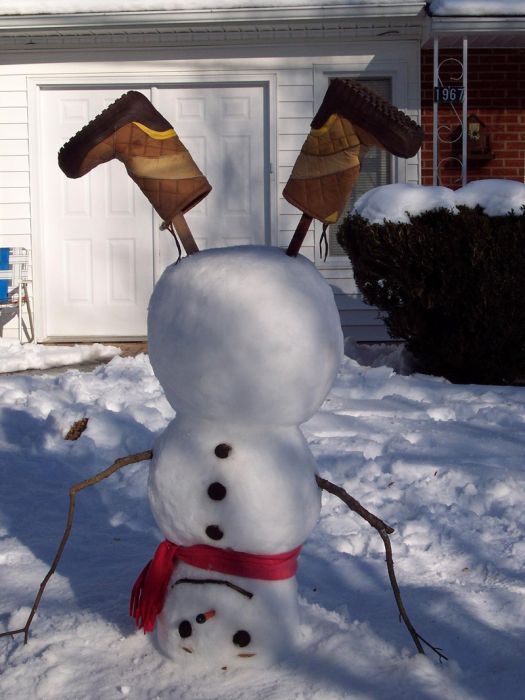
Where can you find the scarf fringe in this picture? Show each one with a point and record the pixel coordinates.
(149, 591)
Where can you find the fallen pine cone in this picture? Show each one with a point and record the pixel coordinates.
(77, 429)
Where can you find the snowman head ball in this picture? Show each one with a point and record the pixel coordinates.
(245, 334)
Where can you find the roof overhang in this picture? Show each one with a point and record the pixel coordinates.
(482, 32)
(198, 28)
(266, 12)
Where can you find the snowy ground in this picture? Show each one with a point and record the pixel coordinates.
(441, 463)
(15, 357)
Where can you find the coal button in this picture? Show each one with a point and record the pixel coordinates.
(214, 532)
(223, 450)
(216, 491)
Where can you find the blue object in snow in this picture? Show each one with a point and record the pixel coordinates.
(4, 265)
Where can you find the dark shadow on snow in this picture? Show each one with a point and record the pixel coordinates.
(34, 503)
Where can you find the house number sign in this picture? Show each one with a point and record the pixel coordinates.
(448, 94)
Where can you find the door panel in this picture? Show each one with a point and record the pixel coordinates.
(98, 238)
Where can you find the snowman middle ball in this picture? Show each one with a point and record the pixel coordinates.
(246, 343)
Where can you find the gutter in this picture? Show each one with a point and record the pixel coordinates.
(477, 25)
(135, 20)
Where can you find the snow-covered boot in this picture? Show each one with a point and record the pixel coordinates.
(350, 119)
(134, 132)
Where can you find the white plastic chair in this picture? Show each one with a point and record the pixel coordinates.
(14, 296)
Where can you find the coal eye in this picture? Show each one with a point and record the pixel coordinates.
(241, 638)
(185, 629)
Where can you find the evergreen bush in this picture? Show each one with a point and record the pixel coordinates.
(451, 285)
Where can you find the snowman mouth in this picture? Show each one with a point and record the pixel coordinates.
(189, 651)
(246, 656)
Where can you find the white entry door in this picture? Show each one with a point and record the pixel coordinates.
(101, 247)
(97, 232)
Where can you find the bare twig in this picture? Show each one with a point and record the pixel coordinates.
(397, 594)
(117, 464)
(384, 530)
(240, 590)
(353, 504)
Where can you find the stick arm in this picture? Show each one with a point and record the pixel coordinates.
(117, 464)
(384, 531)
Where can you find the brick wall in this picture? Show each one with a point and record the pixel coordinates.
(496, 94)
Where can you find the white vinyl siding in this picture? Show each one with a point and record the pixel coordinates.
(15, 196)
(297, 83)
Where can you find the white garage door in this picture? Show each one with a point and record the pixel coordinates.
(102, 249)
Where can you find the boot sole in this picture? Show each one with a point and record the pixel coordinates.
(132, 106)
(397, 133)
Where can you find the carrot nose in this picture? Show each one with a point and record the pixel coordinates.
(203, 617)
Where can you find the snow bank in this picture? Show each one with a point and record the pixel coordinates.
(441, 463)
(16, 358)
(395, 202)
(392, 202)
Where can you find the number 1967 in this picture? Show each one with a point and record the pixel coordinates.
(446, 93)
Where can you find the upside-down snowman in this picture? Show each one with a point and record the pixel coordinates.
(246, 343)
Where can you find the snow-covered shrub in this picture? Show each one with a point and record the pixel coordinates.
(451, 283)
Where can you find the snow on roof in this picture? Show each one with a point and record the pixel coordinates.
(477, 8)
(40, 7)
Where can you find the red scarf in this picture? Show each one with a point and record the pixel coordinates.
(149, 591)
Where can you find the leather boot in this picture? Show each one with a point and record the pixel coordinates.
(349, 121)
(134, 132)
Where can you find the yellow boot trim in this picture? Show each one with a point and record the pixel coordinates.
(177, 166)
(157, 135)
(326, 126)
